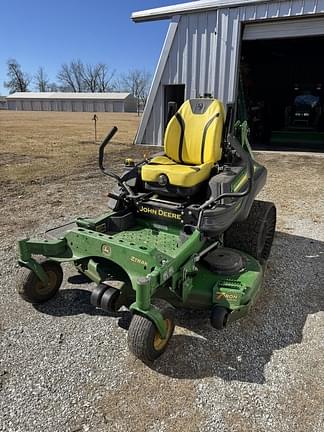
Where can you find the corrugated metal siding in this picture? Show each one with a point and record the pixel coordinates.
(108, 107)
(3, 104)
(55, 105)
(66, 105)
(99, 106)
(77, 106)
(26, 105)
(205, 51)
(36, 105)
(88, 106)
(130, 104)
(46, 105)
(118, 106)
(70, 105)
(201, 60)
(12, 105)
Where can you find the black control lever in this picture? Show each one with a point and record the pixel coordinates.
(102, 151)
(107, 172)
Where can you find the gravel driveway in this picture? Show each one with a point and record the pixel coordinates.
(64, 366)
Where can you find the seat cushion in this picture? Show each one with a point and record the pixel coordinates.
(179, 175)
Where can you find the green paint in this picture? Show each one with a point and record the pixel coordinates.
(156, 264)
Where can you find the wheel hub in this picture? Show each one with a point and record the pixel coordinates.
(47, 288)
(160, 343)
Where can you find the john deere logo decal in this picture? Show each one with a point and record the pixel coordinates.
(151, 211)
(106, 249)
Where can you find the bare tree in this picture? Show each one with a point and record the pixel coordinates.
(137, 82)
(90, 77)
(53, 87)
(65, 77)
(105, 77)
(77, 71)
(41, 80)
(77, 77)
(18, 80)
(97, 78)
(70, 76)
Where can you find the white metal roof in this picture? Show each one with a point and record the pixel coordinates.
(66, 95)
(183, 8)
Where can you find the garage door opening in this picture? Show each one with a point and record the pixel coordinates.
(282, 85)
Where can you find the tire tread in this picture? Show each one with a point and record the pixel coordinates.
(244, 235)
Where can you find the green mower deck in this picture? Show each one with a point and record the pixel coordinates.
(152, 261)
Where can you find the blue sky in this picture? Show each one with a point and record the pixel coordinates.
(48, 33)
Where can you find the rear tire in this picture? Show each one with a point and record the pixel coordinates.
(254, 235)
(32, 289)
(144, 339)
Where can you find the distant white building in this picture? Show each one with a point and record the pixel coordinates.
(72, 102)
(3, 103)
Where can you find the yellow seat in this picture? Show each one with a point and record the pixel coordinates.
(192, 145)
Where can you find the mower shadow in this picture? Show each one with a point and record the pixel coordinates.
(69, 302)
(78, 279)
(292, 291)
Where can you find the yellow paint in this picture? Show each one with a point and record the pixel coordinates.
(160, 343)
(178, 175)
(193, 136)
(136, 260)
(159, 212)
(191, 171)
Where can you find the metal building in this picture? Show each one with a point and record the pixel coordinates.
(3, 103)
(74, 102)
(203, 49)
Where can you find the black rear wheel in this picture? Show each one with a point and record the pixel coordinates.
(254, 235)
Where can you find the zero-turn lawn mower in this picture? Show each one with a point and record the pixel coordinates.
(183, 231)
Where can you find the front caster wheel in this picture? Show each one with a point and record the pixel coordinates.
(218, 318)
(109, 300)
(105, 297)
(97, 294)
(32, 289)
(144, 340)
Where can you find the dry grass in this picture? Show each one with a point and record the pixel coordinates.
(47, 154)
(36, 145)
